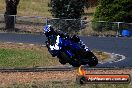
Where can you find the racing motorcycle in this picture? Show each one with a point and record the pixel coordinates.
(68, 49)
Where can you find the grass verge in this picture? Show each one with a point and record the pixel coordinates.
(25, 55)
(101, 55)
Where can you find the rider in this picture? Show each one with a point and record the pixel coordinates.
(53, 38)
(56, 38)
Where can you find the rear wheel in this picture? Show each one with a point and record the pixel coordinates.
(76, 65)
(93, 61)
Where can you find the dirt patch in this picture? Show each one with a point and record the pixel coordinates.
(27, 77)
(22, 46)
(101, 55)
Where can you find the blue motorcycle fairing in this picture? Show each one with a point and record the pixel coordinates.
(69, 51)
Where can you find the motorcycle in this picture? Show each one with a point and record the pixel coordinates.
(68, 49)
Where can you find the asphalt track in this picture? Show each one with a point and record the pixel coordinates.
(119, 45)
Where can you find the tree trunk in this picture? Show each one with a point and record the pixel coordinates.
(11, 11)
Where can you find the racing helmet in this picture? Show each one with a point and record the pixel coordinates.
(48, 30)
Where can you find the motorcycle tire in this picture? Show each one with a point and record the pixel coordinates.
(74, 64)
(62, 58)
(69, 60)
(62, 61)
(93, 62)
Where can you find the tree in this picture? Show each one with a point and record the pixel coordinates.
(11, 9)
(114, 11)
(72, 9)
(67, 9)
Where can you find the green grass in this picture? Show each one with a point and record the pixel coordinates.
(25, 58)
(16, 55)
(68, 84)
(16, 58)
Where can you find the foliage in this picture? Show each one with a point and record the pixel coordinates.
(67, 26)
(72, 9)
(68, 9)
(114, 11)
(104, 26)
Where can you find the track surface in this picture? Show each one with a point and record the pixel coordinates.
(117, 45)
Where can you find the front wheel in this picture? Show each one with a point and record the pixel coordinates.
(62, 61)
(62, 58)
